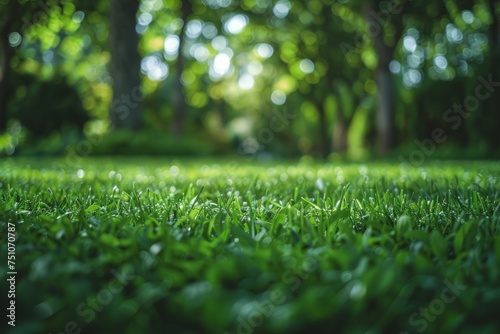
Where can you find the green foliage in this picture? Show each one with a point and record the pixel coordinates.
(317, 52)
(45, 107)
(113, 245)
(126, 142)
(12, 138)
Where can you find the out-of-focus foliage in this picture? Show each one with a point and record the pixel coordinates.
(244, 61)
(47, 106)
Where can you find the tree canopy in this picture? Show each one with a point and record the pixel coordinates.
(356, 78)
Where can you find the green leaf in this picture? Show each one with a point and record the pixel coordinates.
(459, 240)
(92, 208)
(438, 244)
(341, 214)
(403, 225)
(242, 236)
(45, 218)
(110, 240)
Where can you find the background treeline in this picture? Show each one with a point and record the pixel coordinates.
(352, 78)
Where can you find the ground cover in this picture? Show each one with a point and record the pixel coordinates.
(150, 245)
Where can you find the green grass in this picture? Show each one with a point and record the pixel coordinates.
(238, 247)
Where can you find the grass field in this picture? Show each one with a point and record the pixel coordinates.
(156, 245)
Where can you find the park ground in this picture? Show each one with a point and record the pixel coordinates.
(133, 245)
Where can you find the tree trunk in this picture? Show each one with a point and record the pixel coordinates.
(323, 130)
(6, 56)
(221, 112)
(495, 24)
(386, 128)
(491, 105)
(339, 138)
(180, 107)
(385, 110)
(126, 111)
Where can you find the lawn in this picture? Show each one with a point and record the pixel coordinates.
(189, 246)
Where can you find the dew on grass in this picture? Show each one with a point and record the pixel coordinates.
(363, 170)
(142, 178)
(319, 184)
(80, 173)
(174, 170)
(274, 201)
(155, 248)
(125, 197)
(358, 291)
(147, 258)
(345, 276)
(114, 176)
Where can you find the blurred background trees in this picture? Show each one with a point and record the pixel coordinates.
(125, 65)
(344, 78)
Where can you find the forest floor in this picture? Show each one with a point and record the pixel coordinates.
(149, 245)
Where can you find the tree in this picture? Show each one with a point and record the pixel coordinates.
(311, 35)
(6, 56)
(491, 112)
(180, 107)
(125, 65)
(386, 34)
(7, 26)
